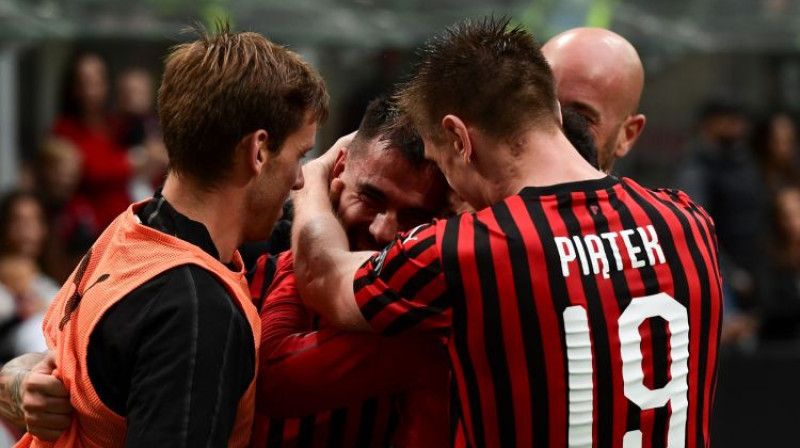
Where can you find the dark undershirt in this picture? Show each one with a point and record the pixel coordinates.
(176, 354)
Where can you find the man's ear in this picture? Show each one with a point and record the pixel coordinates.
(340, 164)
(457, 136)
(337, 184)
(631, 130)
(255, 148)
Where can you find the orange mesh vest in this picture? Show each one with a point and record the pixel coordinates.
(126, 255)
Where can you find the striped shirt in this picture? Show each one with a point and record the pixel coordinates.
(584, 314)
(322, 387)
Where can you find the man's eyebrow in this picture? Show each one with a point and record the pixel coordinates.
(584, 108)
(366, 187)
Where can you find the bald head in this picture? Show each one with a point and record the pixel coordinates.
(599, 75)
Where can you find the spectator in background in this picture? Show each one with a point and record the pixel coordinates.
(781, 310)
(25, 292)
(722, 176)
(108, 167)
(775, 145)
(70, 216)
(136, 127)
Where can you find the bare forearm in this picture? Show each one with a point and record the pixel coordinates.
(324, 265)
(11, 377)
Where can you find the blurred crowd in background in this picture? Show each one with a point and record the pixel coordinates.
(93, 163)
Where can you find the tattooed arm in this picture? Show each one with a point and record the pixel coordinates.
(12, 375)
(31, 397)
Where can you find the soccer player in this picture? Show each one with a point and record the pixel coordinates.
(599, 75)
(355, 389)
(155, 336)
(582, 310)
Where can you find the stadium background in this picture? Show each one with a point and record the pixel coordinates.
(699, 55)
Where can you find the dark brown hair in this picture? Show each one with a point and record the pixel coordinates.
(383, 119)
(485, 72)
(226, 85)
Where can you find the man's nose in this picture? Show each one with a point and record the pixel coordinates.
(384, 227)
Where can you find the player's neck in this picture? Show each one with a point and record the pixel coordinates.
(542, 159)
(220, 211)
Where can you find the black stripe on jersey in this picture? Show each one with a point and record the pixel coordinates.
(337, 427)
(652, 285)
(367, 425)
(560, 296)
(709, 237)
(529, 322)
(399, 261)
(306, 437)
(705, 311)
(455, 285)
(275, 435)
(680, 281)
(650, 280)
(417, 315)
(619, 282)
(378, 303)
(409, 290)
(710, 240)
(708, 232)
(604, 405)
(365, 280)
(658, 333)
(493, 335)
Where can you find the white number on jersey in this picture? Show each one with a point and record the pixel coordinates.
(579, 366)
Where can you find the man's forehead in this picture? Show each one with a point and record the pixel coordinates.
(397, 178)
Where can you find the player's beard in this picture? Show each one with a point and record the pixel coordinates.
(261, 214)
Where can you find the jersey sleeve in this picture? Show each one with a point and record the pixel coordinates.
(304, 370)
(285, 320)
(403, 287)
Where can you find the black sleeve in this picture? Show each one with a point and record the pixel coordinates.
(174, 357)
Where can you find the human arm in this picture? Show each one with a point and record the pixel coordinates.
(31, 396)
(324, 265)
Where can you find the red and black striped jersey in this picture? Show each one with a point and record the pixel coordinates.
(321, 387)
(584, 314)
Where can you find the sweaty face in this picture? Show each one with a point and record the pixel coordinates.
(384, 194)
(281, 174)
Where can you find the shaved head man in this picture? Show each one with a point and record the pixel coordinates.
(599, 75)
